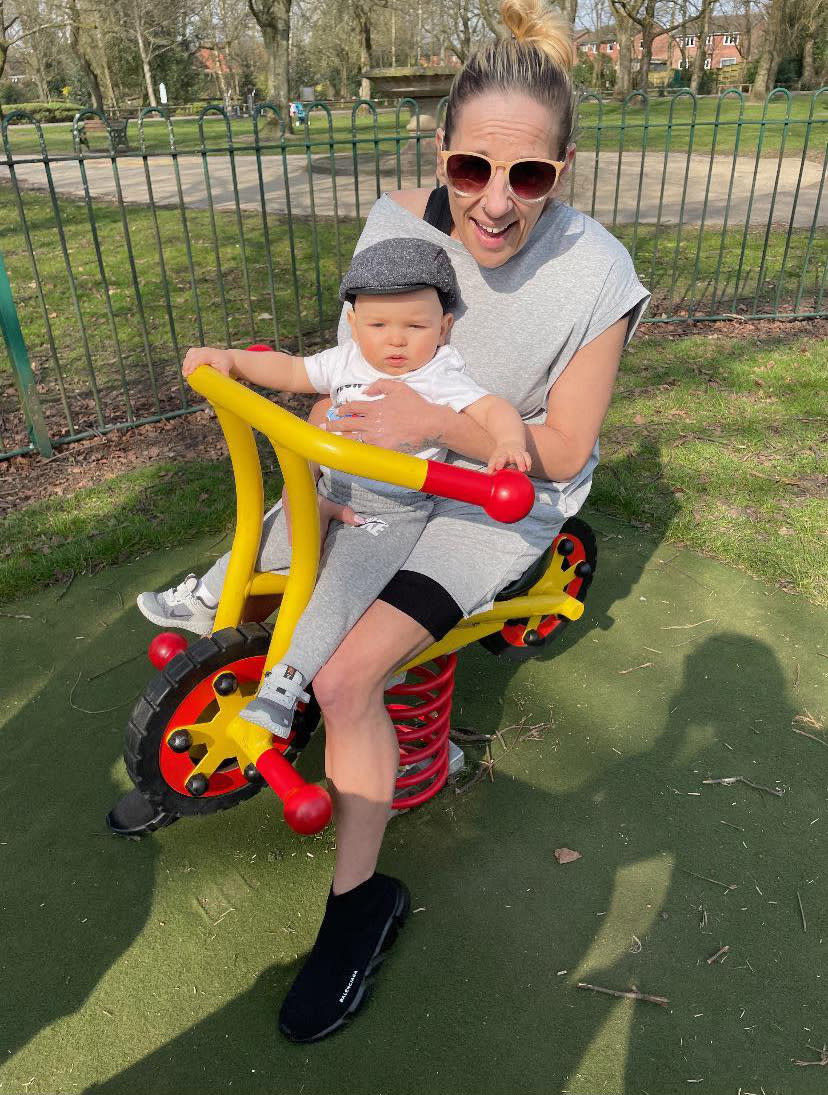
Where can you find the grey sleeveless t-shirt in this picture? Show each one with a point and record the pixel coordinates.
(517, 326)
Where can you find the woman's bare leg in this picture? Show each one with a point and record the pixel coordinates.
(361, 752)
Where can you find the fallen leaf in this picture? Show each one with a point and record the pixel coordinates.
(639, 420)
(566, 855)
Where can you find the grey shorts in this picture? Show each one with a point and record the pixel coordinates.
(472, 557)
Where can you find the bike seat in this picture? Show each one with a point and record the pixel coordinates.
(529, 577)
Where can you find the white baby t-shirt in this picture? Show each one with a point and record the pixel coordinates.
(343, 373)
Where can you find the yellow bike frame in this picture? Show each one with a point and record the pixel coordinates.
(296, 443)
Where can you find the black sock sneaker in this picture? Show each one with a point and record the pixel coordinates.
(358, 928)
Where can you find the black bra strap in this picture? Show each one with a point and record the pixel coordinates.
(437, 211)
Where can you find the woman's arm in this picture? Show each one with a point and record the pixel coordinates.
(576, 407)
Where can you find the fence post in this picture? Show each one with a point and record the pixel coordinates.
(21, 367)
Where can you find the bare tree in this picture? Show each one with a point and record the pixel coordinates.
(771, 52)
(273, 18)
(703, 26)
(12, 31)
(810, 25)
(645, 14)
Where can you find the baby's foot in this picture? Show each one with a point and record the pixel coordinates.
(187, 606)
(274, 707)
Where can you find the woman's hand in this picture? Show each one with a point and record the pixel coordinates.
(220, 360)
(401, 420)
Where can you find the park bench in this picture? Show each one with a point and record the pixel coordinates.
(117, 126)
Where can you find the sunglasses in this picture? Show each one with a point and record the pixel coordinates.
(469, 173)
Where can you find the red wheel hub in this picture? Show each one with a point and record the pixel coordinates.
(176, 768)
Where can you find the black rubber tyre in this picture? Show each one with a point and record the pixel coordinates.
(507, 643)
(168, 689)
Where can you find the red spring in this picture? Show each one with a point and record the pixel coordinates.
(422, 724)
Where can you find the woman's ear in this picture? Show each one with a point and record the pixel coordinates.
(439, 137)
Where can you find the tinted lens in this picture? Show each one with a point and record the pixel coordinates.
(468, 174)
(532, 179)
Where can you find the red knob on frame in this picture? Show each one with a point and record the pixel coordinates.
(308, 808)
(165, 647)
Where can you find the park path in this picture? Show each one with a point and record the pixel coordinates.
(790, 198)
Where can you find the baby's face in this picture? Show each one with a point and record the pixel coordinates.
(400, 332)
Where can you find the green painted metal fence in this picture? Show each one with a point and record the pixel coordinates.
(225, 231)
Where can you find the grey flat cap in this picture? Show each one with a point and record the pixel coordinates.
(398, 266)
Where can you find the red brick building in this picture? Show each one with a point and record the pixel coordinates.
(723, 45)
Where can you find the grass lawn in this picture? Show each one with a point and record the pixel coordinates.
(215, 130)
(598, 127)
(712, 441)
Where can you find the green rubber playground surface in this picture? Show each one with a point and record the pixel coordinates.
(157, 967)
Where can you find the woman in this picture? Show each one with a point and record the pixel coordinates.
(549, 300)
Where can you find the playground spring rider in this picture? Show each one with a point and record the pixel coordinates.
(186, 749)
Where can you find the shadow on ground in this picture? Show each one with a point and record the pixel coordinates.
(159, 966)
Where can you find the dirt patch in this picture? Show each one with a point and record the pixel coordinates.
(196, 436)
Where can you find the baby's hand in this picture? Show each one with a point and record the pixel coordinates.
(510, 453)
(220, 360)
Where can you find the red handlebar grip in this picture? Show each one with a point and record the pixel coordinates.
(308, 808)
(508, 495)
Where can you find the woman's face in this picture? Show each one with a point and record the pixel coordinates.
(495, 225)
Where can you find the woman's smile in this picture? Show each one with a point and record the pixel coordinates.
(494, 225)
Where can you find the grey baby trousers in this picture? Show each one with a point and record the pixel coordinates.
(357, 563)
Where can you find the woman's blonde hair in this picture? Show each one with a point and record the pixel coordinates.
(533, 57)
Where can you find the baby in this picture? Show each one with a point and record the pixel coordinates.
(401, 292)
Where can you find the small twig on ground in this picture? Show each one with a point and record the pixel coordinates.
(718, 954)
(728, 780)
(488, 763)
(644, 665)
(684, 627)
(65, 589)
(469, 736)
(634, 994)
(96, 711)
(15, 616)
(470, 782)
(117, 665)
(823, 1057)
(704, 878)
(802, 912)
(813, 737)
(730, 825)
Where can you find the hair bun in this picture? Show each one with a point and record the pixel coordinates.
(531, 22)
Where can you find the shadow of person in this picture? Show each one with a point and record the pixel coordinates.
(483, 981)
(73, 898)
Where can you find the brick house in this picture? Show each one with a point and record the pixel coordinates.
(678, 49)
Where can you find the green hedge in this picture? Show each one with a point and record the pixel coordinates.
(48, 112)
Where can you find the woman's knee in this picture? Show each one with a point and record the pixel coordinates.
(347, 684)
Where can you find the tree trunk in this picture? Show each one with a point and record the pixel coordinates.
(107, 76)
(363, 21)
(143, 50)
(808, 80)
(648, 34)
(769, 57)
(273, 17)
(701, 48)
(570, 10)
(624, 27)
(78, 47)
